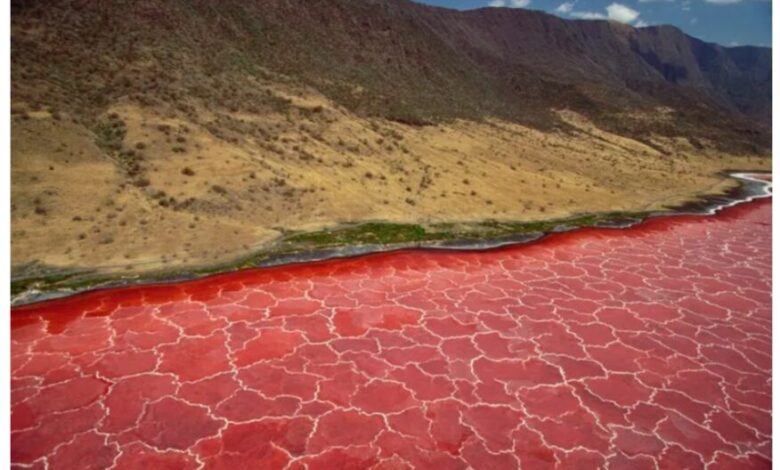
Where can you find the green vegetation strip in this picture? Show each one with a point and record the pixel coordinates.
(389, 233)
(302, 243)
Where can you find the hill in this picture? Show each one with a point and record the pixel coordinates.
(181, 132)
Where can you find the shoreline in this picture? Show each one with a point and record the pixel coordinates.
(59, 285)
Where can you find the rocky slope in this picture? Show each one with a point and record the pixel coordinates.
(395, 59)
(183, 132)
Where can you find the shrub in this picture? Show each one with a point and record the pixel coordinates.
(109, 136)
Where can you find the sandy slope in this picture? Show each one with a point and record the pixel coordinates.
(180, 194)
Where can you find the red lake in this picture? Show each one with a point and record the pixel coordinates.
(646, 347)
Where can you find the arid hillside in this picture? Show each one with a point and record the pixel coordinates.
(152, 135)
(388, 58)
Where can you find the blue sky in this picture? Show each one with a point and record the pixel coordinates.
(727, 22)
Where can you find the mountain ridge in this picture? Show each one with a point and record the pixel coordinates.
(155, 135)
(510, 63)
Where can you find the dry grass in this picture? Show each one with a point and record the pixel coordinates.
(173, 191)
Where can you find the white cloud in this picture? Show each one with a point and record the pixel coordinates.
(588, 15)
(686, 5)
(723, 2)
(653, 1)
(622, 13)
(694, 20)
(565, 7)
(614, 12)
(509, 3)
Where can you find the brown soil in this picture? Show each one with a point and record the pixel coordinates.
(147, 189)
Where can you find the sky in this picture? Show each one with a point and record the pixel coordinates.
(726, 22)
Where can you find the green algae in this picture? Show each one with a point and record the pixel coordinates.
(325, 244)
(354, 239)
(367, 233)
